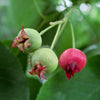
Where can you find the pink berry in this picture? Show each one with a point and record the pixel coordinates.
(72, 61)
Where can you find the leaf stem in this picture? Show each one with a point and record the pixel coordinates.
(73, 37)
(51, 26)
(56, 37)
(60, 31)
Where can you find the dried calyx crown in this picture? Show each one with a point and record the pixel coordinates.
(21, 41)
(70, 70)
(39, 70)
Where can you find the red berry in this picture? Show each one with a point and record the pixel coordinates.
(72, 61)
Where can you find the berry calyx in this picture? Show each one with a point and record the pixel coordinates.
(27, 40)
(72, 61)
(39, 70)
(44, 62)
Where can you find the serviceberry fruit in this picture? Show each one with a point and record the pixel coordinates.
(72, 61)
(44, 61)
(27, 40)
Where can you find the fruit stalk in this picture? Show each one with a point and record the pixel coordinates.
(73, 37)
(60, 31)
(56, 37)
(52, 24)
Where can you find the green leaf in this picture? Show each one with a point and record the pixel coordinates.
(34, 87)
(5, 28)
(85, 86)
(94, 62)
(93, 19)
(92, 50)
(23, 60)
(21, 56)
(8, 43)
(12, 80)
(29, 12)
(24, 12)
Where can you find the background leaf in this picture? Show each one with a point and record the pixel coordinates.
(93, 61)
(34, 87)
(8, 43)
(12, 80)
(23, 60)
(31, 11)
(85, 86)
(22, 57)
(28, 14)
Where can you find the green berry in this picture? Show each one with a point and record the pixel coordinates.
(27, 40)
(44, 61)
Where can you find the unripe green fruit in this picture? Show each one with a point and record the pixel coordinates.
(27, 40)
(34, 39)
(44, 58)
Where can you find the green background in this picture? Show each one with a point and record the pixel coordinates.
(16, 83)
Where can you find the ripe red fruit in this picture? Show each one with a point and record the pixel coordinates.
(72, 61)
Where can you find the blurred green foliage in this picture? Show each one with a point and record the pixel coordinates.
(12, 80)
(15, 84)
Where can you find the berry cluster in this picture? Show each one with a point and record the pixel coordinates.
(44, 61)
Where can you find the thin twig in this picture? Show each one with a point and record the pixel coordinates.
(38, 9)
